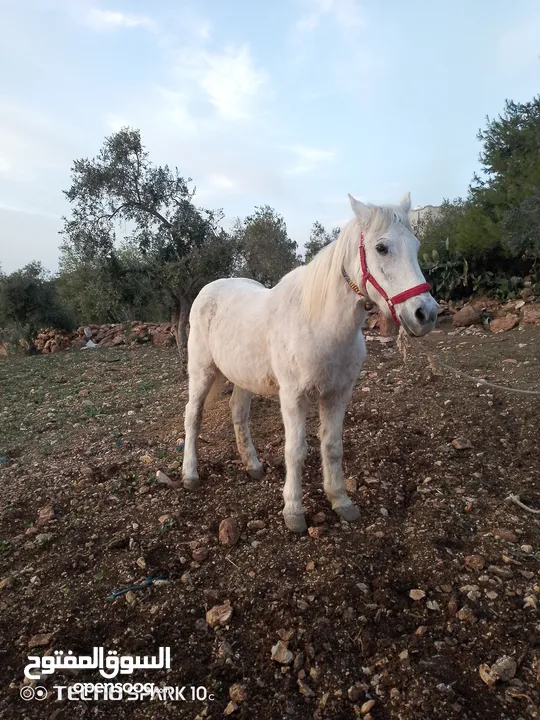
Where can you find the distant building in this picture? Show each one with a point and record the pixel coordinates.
(422, 212)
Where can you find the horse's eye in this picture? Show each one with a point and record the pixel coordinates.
(382, 249)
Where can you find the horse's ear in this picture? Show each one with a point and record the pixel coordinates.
(361, 211)
(405, 202)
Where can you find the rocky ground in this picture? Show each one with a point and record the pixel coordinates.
(426, 608)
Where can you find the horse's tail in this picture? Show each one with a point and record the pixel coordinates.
(215, 391)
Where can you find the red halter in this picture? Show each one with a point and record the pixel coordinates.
(368, 277)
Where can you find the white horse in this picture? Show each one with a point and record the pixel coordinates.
(302, 340)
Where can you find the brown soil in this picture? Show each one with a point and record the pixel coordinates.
(356, 634)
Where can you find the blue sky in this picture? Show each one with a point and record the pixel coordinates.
(293, 103)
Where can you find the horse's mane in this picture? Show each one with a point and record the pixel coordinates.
(321, 277)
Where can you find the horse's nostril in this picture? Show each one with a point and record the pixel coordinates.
(420, 315)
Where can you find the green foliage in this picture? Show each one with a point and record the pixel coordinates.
(29, 300)
(446, 270)
(318, 239)
(266, 253)
(521, 228)
(496, 229)
(511, 149)
(109, 290)
(183, 246)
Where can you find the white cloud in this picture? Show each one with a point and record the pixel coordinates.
(346, 14)
(231, 81)
(110, 19)
(4, 165)
(308, 159)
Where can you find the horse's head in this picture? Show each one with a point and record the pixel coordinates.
(387, 264)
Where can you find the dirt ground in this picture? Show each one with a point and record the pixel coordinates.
(82, 434)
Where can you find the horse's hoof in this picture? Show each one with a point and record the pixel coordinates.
(295, 523)
(350, 513)
(256, 473)
(191, 483)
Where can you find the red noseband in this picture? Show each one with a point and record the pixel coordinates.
(368, 277)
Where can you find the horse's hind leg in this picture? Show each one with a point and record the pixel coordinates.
(240, 404)
(201, 380)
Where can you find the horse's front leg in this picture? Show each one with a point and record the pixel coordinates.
(294, 412)
(332, 411)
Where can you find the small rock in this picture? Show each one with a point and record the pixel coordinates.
(146, 459)
(310, 566)
(506, 535)
(417, 594)
(225, 650)
(42, 640)
(354, 693)
(319, 518)
(475, 562)
(299, 661)
(530, 602)
(141, 562)
(404, 655)
(531, 314)
(466, 615)
(200, 554)
(316, 532)
(166, 480)
(6, 583)
(131, 598)
(487, 676)
(281, 654)
(505, 668)
(504, 573)
(162, 519)
(351, 485)
(527, 549)
(45, 515)
(492, 595)
(367, 706)
(505, 323)
(468, 315)
(256, 525)
(229, 532)
(238, 693)
(231, 707)
(305, 689)
(43, 538)
(432, 605)
(219, 615)
(462, 444)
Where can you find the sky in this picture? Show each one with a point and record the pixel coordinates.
(290, 103)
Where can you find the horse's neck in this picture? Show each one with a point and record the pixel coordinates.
(345, 315)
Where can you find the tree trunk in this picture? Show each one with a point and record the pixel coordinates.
(180, 318)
